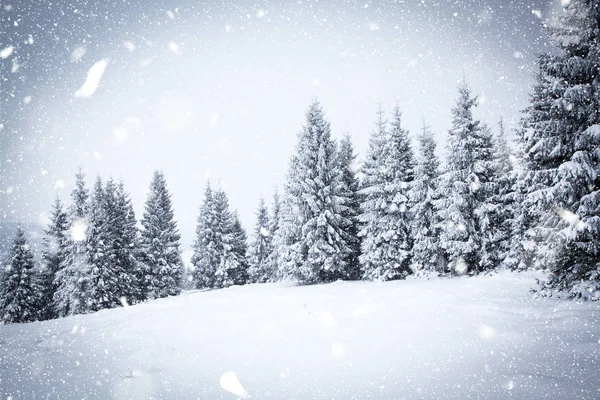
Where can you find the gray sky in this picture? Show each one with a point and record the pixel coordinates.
(218, 90)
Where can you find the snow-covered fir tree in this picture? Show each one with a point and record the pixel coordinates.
(261, 246)
(387, 176)
(206, 253)
(19, 294)
(73, 278)
(104, 286)
(239, 250)
(489, 207)
(559, 139)
(53, 256)
(160, 244)
(315, 245)
(272, 262)
(463, 186)
(351, 210)
(504, 213)
(424, 218)
(123, 248)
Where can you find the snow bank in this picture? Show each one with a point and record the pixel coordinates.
(462, 338)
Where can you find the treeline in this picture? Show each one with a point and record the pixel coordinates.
(400, 213)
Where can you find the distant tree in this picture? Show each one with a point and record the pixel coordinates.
(206, 252)
(261, 246)
(423, 214)
(160, 244)
(72, 280)
(53, 257)
(239, 250)
(19, 294)
(387, 176)
(272, 262)
(351, 208)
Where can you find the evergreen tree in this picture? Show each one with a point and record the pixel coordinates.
(388, 173)
(559, 143)
(467, 170)
(349, 191)
(123, 248)
(490, 211)
(206, 253)
(423, 214)
(239, 250)
(19, 294)
(504, 211)
(160, 246)
(53, 256)
(73, 278)
(261, 246)
(272, 262)
(315, 246)
(105, 290)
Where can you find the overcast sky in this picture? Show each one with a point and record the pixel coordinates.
(218, 90)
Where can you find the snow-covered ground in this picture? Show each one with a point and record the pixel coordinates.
(461, 338)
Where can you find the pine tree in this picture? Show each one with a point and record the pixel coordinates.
(559, 141)
(19, 294)
(53, 256)
(105, 290)
(460, 197)
(261, 246)
(504, 212)
(274, 257)
(351, 210)
(239, 250)
(160, 246)
(72, 279)
(489, 210)
(388, 173)
(206, 253)
(123, 249)
(315, 246)
(423, 214)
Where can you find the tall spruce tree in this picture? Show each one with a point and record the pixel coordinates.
(124, 244)
(160, 246)
(387, 175)
(351, 210)
(261, 246)
(423, 214)
(206, 252)
(239, 250)
(559, 141)
(53, 257)
(105, 289)
(460, 187)
(19, 294)
(274, 257)
(315, 245)
(73, 278)
(504, 208)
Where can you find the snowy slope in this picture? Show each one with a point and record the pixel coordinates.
(462, 338)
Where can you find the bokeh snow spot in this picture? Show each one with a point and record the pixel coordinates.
(77, 53)
(461, 267)
(338, 349)
(6, 52)
(229, 382)
(485, 331)
(78, 229)
(509, 385)
(92, 80)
